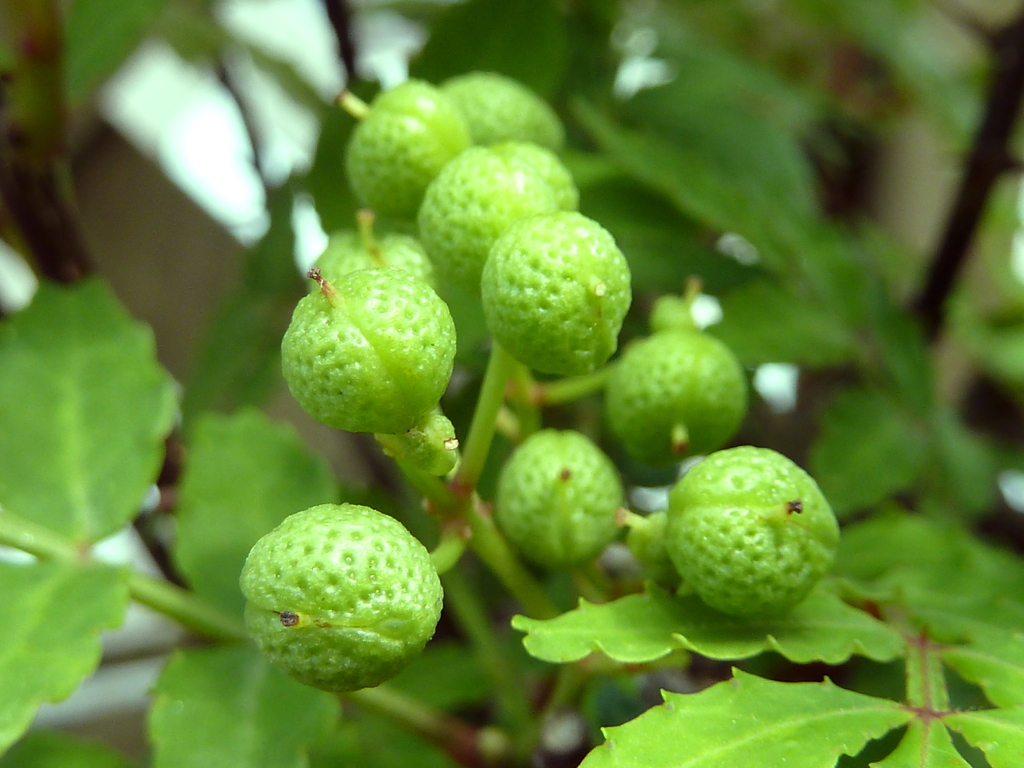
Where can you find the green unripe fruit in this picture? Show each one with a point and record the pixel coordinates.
(646, 540)
(543, 163)
(478, 196)
(370, 353)
(557, 497)
(430, 446)
(750, 531)
(346, 252)
(497, 108)
(675, 393)
(340, 596)
(409, 135)
(555, 290)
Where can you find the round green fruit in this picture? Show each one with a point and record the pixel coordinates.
(346, 252)
(555, 290)
(409, 135)
(372, 352)
(750, 532)
(675, 393)
(557, 497)
(498, 108)
(478, 195)
(340, 596)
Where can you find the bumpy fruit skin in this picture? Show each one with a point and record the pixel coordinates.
(372, 352)
(555, 290)
(345, 252)
(675, 393)
(750, 531)
(401, 145)
(478, 195)
(557, 497)
(340, 596)
(497, 108)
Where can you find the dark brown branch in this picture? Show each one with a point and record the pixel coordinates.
(340, 15)
(34, 183)
(989, 159)
(45, 217)
(248, 123)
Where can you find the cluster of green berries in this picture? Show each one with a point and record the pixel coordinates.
(341, 596)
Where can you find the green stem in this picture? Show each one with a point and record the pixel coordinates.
(432, 488)
(506, 681)
(39, 541)
(567, 390)
(467, 745)
(352, 104)
(449, 550)
(492, 548)
(525, 399)
(163, 596)
(926, 681)
(481, 429)
(185, 608)
(570, 680)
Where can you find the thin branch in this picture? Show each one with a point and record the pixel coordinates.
(340, 16)
(989, 159)
(227, 79)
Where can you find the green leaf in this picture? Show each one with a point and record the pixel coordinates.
(84, 410)
(963, 475)
(645, 627)
(54, 613)
(868, 450)
(488, 35)
(52, 749)
(662, 246)
(762, 322)
(100, 34)
(691, 182)
(335, 203)
(239, 359)
(995, 661)
(997, 733)
(244, 476)
(927, 744)
(750, 722)
(228, 708)
(738, 116)
(446, 675)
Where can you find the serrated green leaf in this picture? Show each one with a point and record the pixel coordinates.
(867, 450)
(446, 675)
(228, 708)
(245, 475)
(238, 362)
(645, 627)
(100, 34)
(488, 35)
(84, 410)
(998, 733)
(52, 749)
(926, 745)
(762, 322)
(750, 722)
(54, 613)
(995, 661)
